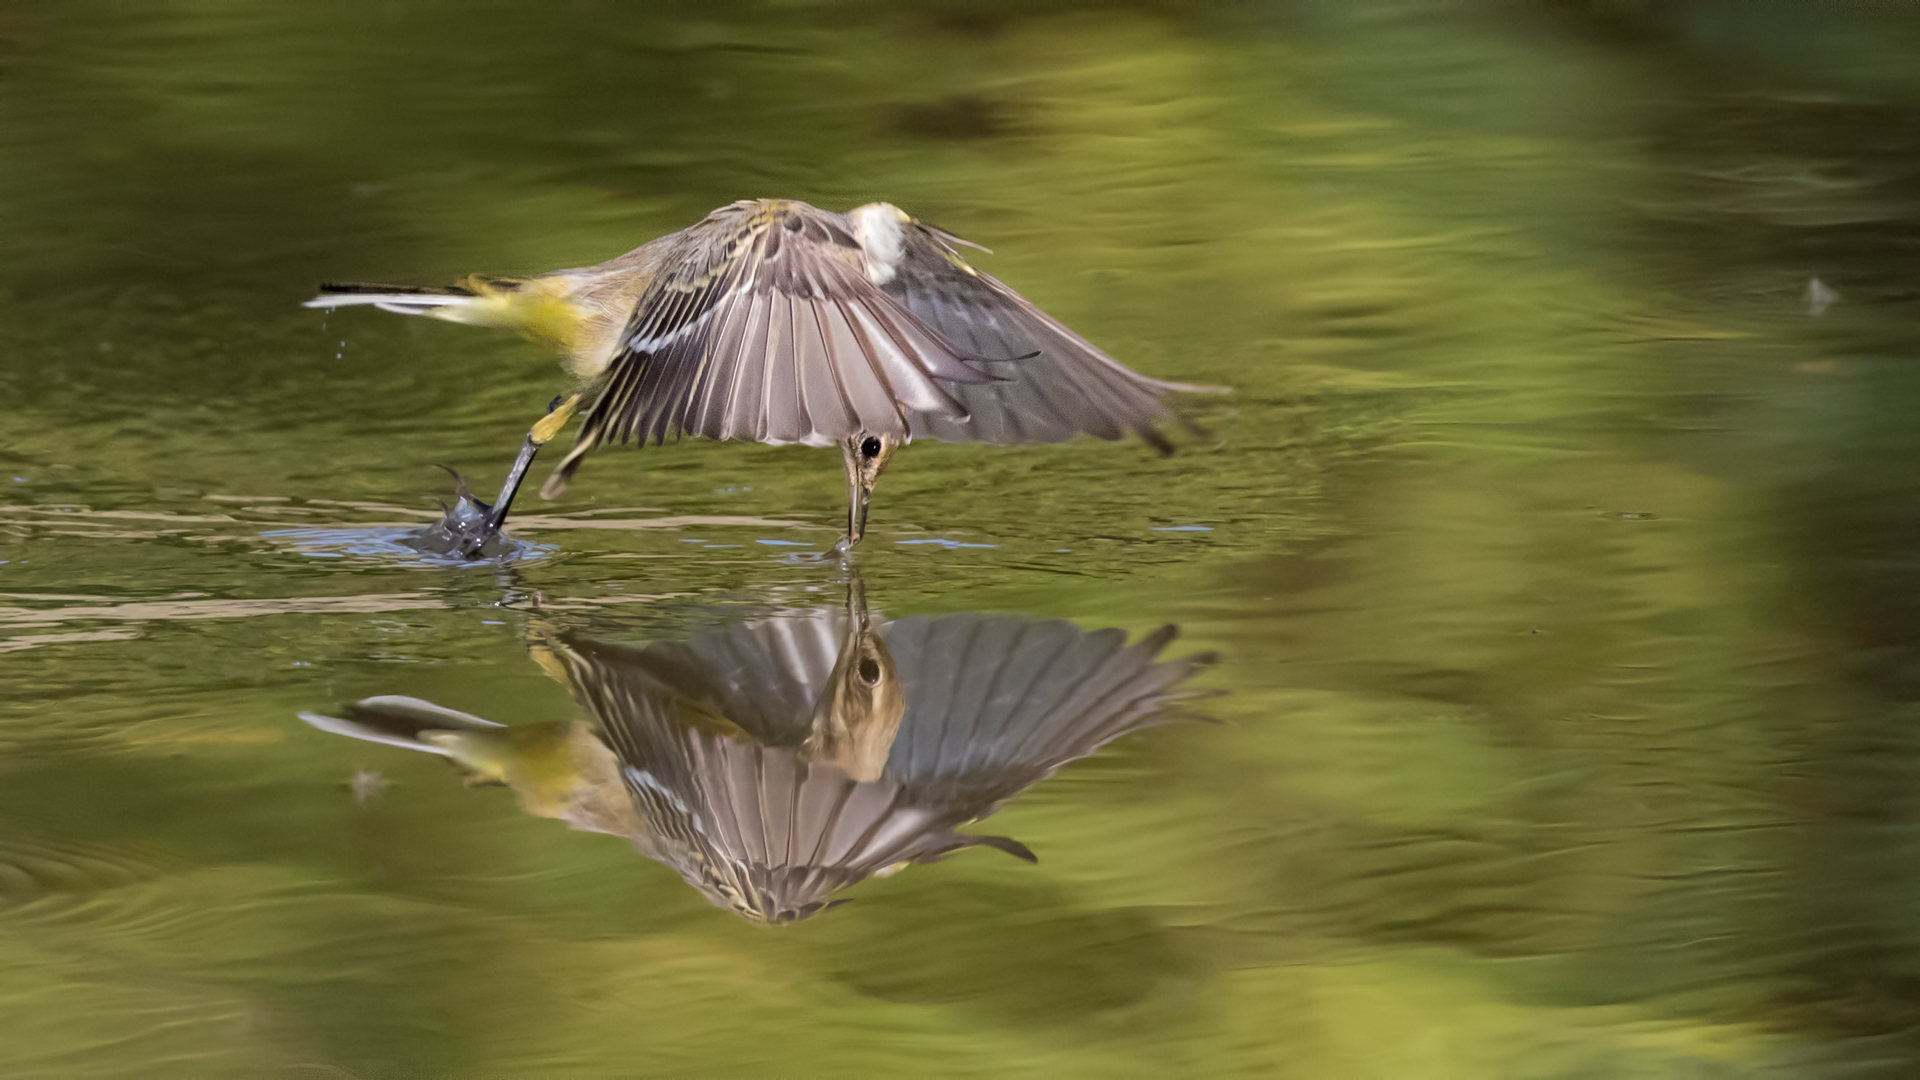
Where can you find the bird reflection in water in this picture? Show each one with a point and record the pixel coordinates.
(776, 761)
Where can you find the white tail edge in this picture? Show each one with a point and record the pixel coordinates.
(398, 303)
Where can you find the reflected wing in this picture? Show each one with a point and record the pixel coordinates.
(762, 677)
(758, 829)
(762, 324)
(1070, 387)
(997, 703)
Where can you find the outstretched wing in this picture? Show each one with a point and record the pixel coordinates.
(996, 703)
(1069, 387)
(762, 325)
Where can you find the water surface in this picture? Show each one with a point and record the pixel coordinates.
(1556, 545)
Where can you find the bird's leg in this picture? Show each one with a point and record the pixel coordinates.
(542, 433)
(557, 416)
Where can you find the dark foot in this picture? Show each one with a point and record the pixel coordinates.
(842, 550)
(469, 528)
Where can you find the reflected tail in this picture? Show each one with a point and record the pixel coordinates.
(395, 720)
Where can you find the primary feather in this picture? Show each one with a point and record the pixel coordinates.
(1061, 386)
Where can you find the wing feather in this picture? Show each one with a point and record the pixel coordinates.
(863, 385)
(785, 411)
(997, 703)
(819, 383)
(743, 412)
(911, 386)
(1068, 388)
(776, 290)
(709, 402)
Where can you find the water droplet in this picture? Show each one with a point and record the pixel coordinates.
(1819, 296)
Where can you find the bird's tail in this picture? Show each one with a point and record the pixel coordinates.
(537, 307)
(400, 299)
(401, 721)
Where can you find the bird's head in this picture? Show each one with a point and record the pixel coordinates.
(867, 456)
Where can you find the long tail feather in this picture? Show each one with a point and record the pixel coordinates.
(400, 299)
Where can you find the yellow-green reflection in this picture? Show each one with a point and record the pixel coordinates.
(775, 762)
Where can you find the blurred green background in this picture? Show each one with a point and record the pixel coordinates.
(1559, 551)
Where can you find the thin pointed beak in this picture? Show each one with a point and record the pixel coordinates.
(859, 495)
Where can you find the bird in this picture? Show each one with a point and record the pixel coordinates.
(773, 762)
(774, 321)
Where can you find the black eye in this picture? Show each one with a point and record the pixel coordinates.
(869, 670)
(870, 449)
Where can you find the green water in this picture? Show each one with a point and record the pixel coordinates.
(1560, 560)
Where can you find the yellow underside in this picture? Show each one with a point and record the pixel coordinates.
(538, 309)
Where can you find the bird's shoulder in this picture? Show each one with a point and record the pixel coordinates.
(718, 246)
(772, 233)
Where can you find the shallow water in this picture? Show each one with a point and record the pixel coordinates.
(1556, 544)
